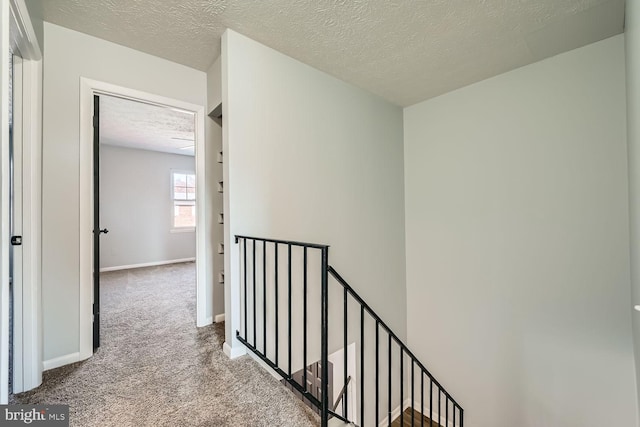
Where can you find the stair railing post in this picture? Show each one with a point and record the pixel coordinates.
(324, 421)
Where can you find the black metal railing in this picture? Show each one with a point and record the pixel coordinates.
(292, 315)
(446, 412)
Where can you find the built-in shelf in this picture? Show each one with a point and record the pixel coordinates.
(216, 115)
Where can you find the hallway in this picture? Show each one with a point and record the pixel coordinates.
(155, 368)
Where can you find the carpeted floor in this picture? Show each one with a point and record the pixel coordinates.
(155, 368)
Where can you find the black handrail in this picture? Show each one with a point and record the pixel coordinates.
(316, 390)
(284, 242)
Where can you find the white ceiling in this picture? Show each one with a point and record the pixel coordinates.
(403, 50)
(133, 124)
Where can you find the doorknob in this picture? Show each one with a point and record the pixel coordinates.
(104, 230)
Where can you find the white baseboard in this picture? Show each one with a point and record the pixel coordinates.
(394, 414)
(56, 362)
(147, 264)
(233, 353)
(219, 318)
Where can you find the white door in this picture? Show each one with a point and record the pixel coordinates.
(20, 199)
(4, 202)
(15, 224)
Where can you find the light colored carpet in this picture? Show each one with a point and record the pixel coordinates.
(155, 368)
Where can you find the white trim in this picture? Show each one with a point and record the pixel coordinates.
(32, 339)
(67, 359)
(219, 318)
(26, 39)
(395, 413)
(15, 206)
(233, 353)
(17, 30)
(146, 264)
(88, 88)
(4, 202)
(183, 230)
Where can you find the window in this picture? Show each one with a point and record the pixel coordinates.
(183, 194)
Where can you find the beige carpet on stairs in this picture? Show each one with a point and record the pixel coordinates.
(155, 368)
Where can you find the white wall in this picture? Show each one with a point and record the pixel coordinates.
(214, 85)
(517, 243)
(632, 45)
(311, 158)
(136, 207)
(68, 56)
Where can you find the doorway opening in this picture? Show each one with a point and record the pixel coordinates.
(144, 191)
(89, 268)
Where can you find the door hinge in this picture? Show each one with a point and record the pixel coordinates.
(16, 240)
(95, 121)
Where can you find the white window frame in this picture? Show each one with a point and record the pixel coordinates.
(173, 228)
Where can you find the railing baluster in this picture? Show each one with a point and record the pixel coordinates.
(461, 417)
(246, 296)
(439, 407)
(401, 387)
(412, 396)
(289, 312)
(389, 396)
(255, 337)
(344, 398)
(430, 402)
(377, 420)
(304, 320)
(264, 296)
(277, 313)
(324, 416)
(446, 411)
(362, 399)
(421, 398)
(454, 415)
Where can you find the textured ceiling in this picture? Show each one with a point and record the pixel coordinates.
(133, 124)
(403, 50)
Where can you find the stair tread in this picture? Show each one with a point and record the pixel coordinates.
(418, 419)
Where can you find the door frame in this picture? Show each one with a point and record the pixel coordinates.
(15, 222)
(89, 88)
(16, 31)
